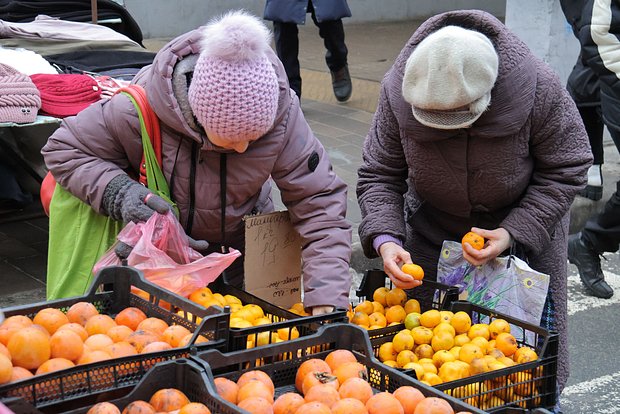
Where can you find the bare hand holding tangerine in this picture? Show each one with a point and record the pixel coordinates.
(394, 256)
(494, 242)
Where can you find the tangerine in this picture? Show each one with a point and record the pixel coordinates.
(396, 296)
(412, 306)
(395, 313)
(413, 270)
(379, 295)
(475, 240)
(497, 326)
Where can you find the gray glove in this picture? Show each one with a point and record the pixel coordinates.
(127, 200)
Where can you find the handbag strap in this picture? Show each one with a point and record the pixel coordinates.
(151, 174)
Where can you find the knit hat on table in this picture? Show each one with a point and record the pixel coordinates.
(19, 97)
(66, 94)
(449, 77)
(234, 90)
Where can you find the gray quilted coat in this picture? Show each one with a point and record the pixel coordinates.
(519, 166)
(103, 141)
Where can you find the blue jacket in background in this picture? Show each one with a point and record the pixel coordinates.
(294, 11)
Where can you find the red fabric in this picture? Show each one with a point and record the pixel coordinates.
(66, 94)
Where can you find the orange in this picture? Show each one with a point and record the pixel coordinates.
(412, 306)
(348, 406)
(195, 408)
(403, 340)
(256, 375)
(227, 389)
(380, 294)
(254, 389)
(404, 357)
(51, 319)
(461, 321)
(365, 306)
(104, 408)
(29, 348)
(338, 357)
(497, 326)
(168, 399)
(475, 240)
(395, 313)
(81, 312)
(396, 296)
(130, 317)
(434, 405)
(384, 403)
(66, 344)
(506, 343)
(6, 369)
(357, 388)
(409, 397)
(479, 329)
(139, 407)
(288, 403)
(256, 405)
(99, 324)
(413, 270)
(430, 318)
(387, 352)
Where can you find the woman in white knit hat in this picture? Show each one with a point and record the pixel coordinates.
(473, 132)
(230, 127)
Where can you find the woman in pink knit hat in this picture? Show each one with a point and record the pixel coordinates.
(230, 126)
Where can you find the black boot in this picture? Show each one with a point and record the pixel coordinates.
(588, 263)
(341, 82)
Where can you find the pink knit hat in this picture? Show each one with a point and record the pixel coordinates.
(20, 99)
(234, 90)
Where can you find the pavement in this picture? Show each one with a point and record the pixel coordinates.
(342, 127)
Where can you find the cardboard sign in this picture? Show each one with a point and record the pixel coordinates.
(273, 259)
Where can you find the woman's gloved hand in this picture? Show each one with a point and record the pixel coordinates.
(127, 200)
(123, 250)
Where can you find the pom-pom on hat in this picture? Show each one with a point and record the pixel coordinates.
(20, 99)
(449, 77)
(234, 89)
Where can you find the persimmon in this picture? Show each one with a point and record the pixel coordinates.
(17, 320)
(20, 373)
(99, 324)
(349, 406)
(288, 403)
(413, 270)
(4, 351)
(351, 370)
(174, 335)
(140, 339)
(186, 340)
(338, 357)
(254, 388)
(313, 364)
(51, 319)
(156, 346)
(81, 312)
(130, 317)
(54, 364)
(93, 356)
(120, 349)
(104, 408)
(475, 240)
(384, 403)
(324, 393)
(168, 399)
(29, 348)
(98, 342)
(155, 325)
(313, 407)
(66, 344)
(258, 405)
(77, 328)
(119, 333)
(433, 405)
(195, 408)
(357, 388)
(6, 369)
(409, 397)
(6, 332)
(139, 407)
(316, 378)
(227, 389)
(256, 375)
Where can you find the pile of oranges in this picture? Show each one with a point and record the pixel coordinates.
(163, 401)
(53, 340)
(248, 315)
(335, 385)
(388, 307)
(445, 346)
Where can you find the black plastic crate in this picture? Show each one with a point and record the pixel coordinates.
(281, 361)
(539, 376)
(282, 318)
(110, 293)
(433, 295)
(182, 374)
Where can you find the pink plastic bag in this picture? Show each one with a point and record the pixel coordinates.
(161, 251)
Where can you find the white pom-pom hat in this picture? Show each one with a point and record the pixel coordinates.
(449, 77)
(234, 90)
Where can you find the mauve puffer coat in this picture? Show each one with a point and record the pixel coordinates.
(103, 141)
(518, 167)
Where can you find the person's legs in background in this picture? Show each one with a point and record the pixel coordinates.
(287, 48)
(332, 33)
(593, 122)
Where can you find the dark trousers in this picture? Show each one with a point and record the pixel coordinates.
(287, 48)
(593, 121)
(602, 231)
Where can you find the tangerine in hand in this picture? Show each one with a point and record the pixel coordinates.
(413, 270)
(475, 240)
